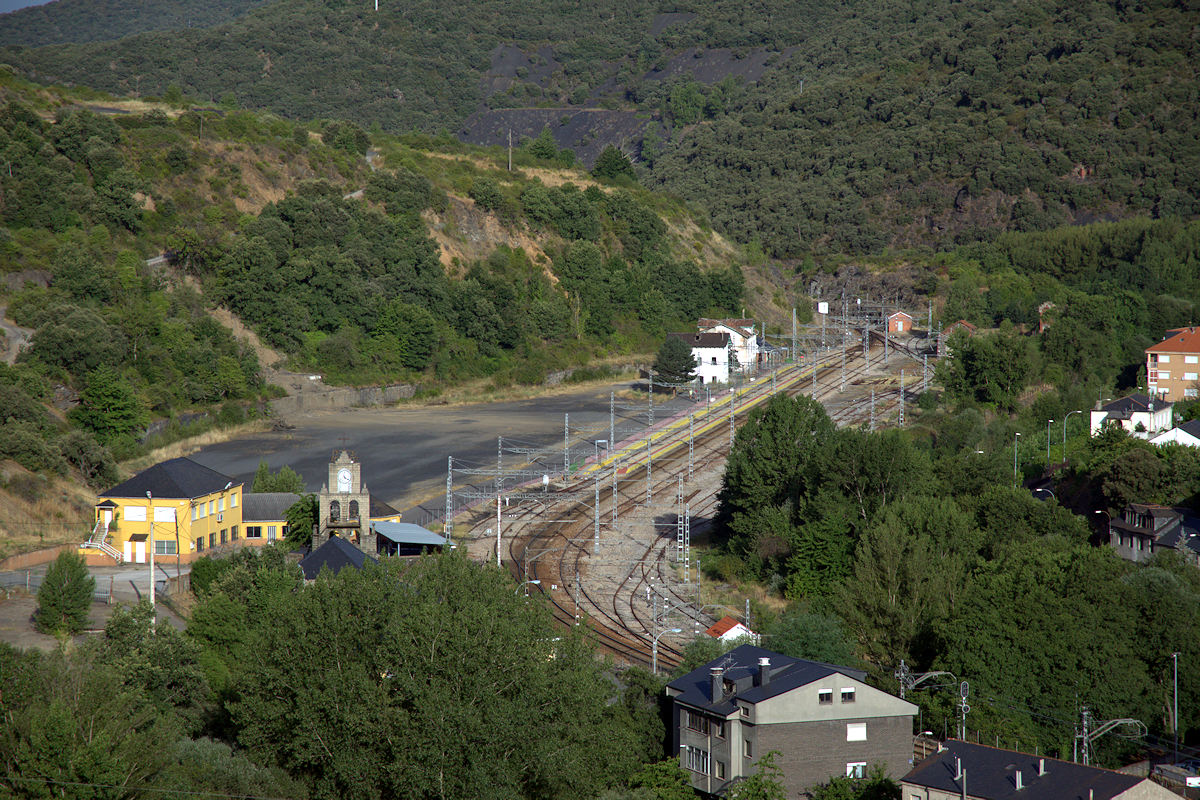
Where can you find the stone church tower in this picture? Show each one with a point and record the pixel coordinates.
(345, 506)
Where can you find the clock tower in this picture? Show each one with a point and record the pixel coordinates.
(345, 505)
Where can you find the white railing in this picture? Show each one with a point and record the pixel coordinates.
(101, 542)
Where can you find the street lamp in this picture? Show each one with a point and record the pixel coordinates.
(1048, 442)
(150, 541)
(1067, 417)
(654, 649)
(1016, 474)
(535, 582)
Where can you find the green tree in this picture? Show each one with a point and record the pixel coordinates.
(675, 363)
(301, 516)
(612, 163)
(65, 596)
(766, 783)
(543, 146)
(285, 479)
(428, 679)
(108, 406)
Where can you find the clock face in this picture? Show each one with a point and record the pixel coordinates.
(343, 480)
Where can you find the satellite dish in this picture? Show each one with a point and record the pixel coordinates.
(964, 690)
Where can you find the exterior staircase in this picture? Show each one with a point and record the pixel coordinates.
(99, 541)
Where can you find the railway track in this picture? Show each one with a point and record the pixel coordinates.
(627, 584)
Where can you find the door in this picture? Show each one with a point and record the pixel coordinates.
(106, 516)
(140, 552)
(128, 552)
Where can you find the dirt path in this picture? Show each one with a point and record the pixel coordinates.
(15, 337)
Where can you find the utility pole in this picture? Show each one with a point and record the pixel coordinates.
(566, 445)
(510, 149)
(873, 420)
(649, 468)
(963, 690)
(793, 334)
(446, 528)
(596, 529)
(901, 398)
(612, 420)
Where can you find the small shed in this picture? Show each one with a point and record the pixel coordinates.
(336, 554)
(728, 629)
(899, 322)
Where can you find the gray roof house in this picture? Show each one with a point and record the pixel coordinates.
(1140, 415)
(822, 719)
(978, 772)
(1144, 529)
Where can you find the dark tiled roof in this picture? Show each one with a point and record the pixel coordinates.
(266, 506)
(741, 667)
(179, 478)
(991, 774)
(335, 554)
(381, 509)
(702, 339)
(1191, 427)
(408, 533)
(1133, 403)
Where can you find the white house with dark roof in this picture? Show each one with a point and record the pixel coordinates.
(743, 339)
(977, 772)
(1140, 415)
(711, 351)
(822, 719)
(1187, 434)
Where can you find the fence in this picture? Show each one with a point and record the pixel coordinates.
(31, 581)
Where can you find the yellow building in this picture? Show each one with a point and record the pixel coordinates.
(178, 507)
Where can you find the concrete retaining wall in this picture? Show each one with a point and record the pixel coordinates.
(34, 558)
(342, 398)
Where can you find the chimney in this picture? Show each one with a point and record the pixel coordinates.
(764, 671)
(1017, 777)
(716, 676)
(1041, 767)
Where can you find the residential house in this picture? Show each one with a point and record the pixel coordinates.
(728, 629)
(178, 508)
(822, 719)
(264, 516)
(1173, 365)
(899, 322)
(743, 340)
(711, 351)
(1187, 434)
(965, 771)
(1144, 529)
(1141, 415)
(962, 325)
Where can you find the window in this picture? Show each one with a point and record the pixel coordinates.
(199, 544)
(270, 533)
(856, 731)
(1189, 376)
(193, 513)
(720, 769)
(1191, 359)
(747, 748)
(745, 711)
(212, 540)
(233, 501)
(220, 504)
(353, 509)
(695, 759)
(164, 547)
(847, 694)
(203, 508)
(335, 510)
(1191, 392)
(164, 514)
(695, 721)
(224, 534)
(825, 696)
(254, 531)
(718, 728)
(856, 769)
(212, 507)
(714, 359)
(1164, 376)
(233, 533)
(1164, 359)
(135, 513)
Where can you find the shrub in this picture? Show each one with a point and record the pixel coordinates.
(65, 596)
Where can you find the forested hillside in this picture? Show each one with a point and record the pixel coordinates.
(428, 263)
(806, 126)
(85, 21)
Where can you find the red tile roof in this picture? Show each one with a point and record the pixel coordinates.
(1185, 340)
(723, 626)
